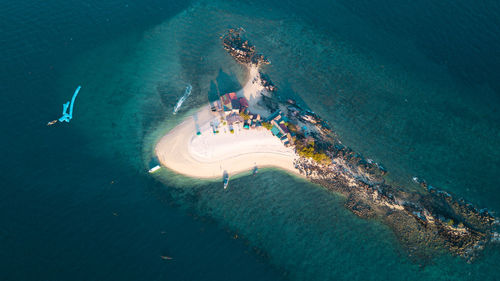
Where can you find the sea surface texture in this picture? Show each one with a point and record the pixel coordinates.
(414, 85)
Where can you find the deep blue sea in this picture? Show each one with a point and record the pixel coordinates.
(414, 85)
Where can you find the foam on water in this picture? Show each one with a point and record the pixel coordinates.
(179, 103)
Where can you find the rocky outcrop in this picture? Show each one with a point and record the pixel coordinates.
(426, 221)
(267, 83)
(241, 50)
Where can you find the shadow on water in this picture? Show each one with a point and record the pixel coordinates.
(287, 92)
(227, 82)
(213, 94)
(223, 83)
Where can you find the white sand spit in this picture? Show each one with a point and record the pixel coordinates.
(208, 155)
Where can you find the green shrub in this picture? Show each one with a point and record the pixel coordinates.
(291, 127)
(309, 152)
(321, 157)
(267, 125)
(244, 116)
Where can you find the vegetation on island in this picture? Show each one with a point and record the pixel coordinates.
(308, 149)
(309, 152)
(304, 147)
(267, 125)
(245, 116)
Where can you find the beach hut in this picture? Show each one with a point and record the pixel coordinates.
(235, 104)
(243, 102)
(234, 118)
(225, 100)
(275, 130)
(272, 116)
(216, 106)
(284, 128)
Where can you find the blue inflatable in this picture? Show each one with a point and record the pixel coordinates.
(66, 117)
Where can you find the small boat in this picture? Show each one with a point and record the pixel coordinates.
(154, 169)
(225, 179)
(166, 258)
(154, 165)
(52, 122)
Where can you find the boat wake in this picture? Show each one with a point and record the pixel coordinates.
(187, 92)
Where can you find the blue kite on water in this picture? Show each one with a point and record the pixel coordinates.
(66, 117)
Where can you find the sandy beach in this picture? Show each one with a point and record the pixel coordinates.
(208, 155)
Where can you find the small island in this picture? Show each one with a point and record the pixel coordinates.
(253, 128)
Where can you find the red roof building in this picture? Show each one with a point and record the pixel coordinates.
(243, 102)
(225, 99)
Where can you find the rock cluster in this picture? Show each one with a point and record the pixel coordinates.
(241, 50)
(267, 83)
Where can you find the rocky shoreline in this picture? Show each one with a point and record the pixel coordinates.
(426, 222)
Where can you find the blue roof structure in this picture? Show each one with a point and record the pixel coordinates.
(272, 116)
(275, 130)
(235, 104)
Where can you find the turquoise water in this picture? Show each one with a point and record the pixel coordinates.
(410, 86)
